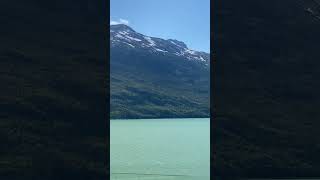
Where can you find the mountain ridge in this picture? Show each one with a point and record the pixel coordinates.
(124, 34)
(156, 78)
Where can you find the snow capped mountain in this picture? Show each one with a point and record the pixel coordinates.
(153, 77)
(123, 35)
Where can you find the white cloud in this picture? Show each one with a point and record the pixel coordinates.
(124, 21)
(113, 22)
(121, 21)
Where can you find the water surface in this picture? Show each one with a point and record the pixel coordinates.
(166, 149)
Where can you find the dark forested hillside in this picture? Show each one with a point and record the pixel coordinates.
(156, 78)
(266, 89)
(53, 66)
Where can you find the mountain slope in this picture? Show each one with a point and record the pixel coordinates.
(156, 78)
(266, 89)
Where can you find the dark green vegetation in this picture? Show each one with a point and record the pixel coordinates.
(155, 85)
(53, 102)
(266, 89)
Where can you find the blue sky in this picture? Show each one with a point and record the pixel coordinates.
(183, 20)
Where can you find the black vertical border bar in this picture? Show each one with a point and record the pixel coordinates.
(107, 40)
(212, 86)
(211, 91)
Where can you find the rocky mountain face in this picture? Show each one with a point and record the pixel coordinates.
(123, 35)
(156, 78)
(266, 79)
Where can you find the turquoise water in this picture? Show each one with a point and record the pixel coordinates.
(164, 149)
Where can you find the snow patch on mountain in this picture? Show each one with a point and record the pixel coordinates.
(152, 43)
(134, 39)
(190, 51)
(129, 44)
(125, 35)
(160, 50)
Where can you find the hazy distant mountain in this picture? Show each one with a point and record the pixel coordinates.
(153, 77)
